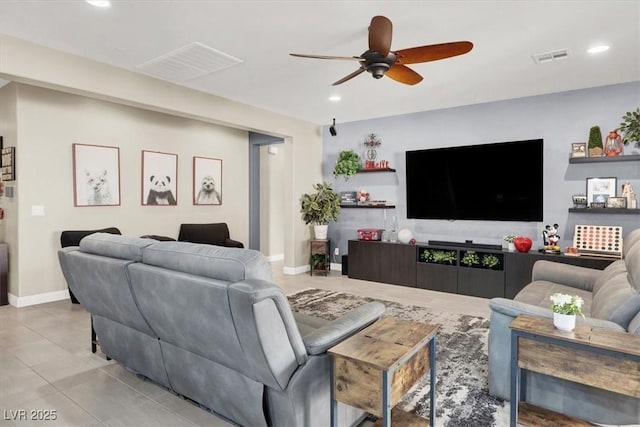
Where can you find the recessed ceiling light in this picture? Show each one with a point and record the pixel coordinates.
(99, 3)
(598, 49)
(335, 98)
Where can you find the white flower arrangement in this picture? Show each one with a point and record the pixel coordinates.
(509, 238)
(566, 304)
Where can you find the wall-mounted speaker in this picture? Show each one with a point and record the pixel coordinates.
(332, 128)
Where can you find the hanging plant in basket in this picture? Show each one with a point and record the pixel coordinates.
(347, 164)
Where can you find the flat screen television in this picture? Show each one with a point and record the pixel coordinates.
(497, 182)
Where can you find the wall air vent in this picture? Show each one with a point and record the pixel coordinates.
(189, 62)
(555, 55)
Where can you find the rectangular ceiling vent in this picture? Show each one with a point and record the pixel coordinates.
(189, 62)
(555, 55)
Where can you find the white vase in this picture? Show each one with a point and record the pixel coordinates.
(564, 322)
(320, 231)
(511, 246)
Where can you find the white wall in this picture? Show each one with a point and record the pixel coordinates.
(271, 202)
(45, 176)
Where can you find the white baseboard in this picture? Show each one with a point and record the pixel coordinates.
(38, 298)
(292, 271)
(274, 258)
(336, 267)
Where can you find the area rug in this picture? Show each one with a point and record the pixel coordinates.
(462, 394)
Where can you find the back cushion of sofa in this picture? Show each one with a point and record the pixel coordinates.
(114, 246)
(632, 262)
(616, 300)
(613, 269)
(215, 262)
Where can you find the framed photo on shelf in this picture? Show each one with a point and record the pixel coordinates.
(579, 149)
(617, 202)
(96, 175)
(207, 181)
(599, 190)
(159, 178)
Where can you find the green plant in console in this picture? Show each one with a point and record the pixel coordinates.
(490, 261)
(347, 164)
(470, 258)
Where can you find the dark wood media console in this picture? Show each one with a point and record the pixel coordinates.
(487, 273)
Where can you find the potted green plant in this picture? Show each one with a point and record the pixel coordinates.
(595, 142)
(509, 239)
(490, 261)
(319, 208)
(565, 308)
(347, 164)
(630, 126)
(470, 258)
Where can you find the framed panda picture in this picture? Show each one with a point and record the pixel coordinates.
(159, 178)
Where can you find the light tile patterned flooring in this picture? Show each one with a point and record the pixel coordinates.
(46, 362)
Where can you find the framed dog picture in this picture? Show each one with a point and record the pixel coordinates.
(96, 175)
(207, 181)
(159, 179)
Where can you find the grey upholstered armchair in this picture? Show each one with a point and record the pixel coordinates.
(211, 234)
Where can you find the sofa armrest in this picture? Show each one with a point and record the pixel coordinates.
(513, 309)
(337, 330)
(230, 243)
(565, 274)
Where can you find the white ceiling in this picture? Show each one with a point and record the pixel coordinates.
(263, 33)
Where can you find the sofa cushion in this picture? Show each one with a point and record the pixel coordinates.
(114, 246)
(612, 270)
(215, 262)
(538, 293)
(616, 301)
(632, 262)
(632, 239)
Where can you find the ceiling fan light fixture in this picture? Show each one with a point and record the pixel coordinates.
(378, 69)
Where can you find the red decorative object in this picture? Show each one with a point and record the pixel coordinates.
(369, 234)
(522, 244)
(613, 144)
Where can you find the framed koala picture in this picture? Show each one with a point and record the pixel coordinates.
(207, 181)
(96, 175)
(159, 179)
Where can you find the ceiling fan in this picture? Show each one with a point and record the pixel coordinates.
(380, 60)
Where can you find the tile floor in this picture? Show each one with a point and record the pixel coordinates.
(46, 362)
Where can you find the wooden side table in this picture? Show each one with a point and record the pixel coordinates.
(609, 360)
(374, 369)
(319, 261)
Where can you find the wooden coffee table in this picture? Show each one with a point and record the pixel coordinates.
(374, 369)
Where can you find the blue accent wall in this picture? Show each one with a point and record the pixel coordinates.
(559, 118)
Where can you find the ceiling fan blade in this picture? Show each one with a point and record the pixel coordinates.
(380, 32)
(432, 52)
(346, 58)
(403, 74)
(350, 76)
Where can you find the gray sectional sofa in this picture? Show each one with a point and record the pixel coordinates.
(612, 301)
(209, 323)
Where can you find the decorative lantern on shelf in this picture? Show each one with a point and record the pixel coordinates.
(613, 144)
(371, 143)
